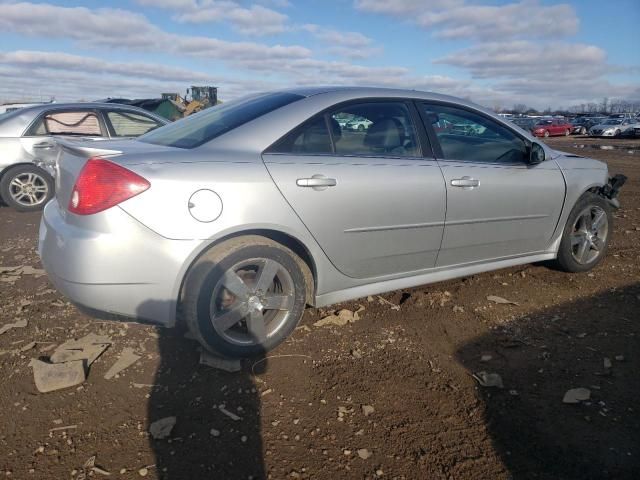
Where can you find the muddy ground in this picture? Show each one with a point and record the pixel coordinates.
(301, 408)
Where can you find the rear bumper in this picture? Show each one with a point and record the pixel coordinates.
(117, 267)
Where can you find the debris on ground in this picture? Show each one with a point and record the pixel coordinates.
(384, 301)
(226, 364)
(162, 428)
(27, 347)
(127, 358)
(458, 309)
(364, 453)
(486, 379)
(88, 348)
(56, 376)
(9, 326)
(606, 363)
(229, 414)
(340, 319)
(577, 395)
(500, 300)
(367, 410)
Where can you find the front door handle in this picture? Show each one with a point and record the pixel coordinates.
(317, 182)
(43, 145)
(465, 182)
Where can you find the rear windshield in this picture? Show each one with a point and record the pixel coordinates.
(208, 124)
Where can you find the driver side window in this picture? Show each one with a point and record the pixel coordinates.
(466, 136)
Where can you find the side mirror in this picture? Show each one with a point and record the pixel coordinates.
(536, 154)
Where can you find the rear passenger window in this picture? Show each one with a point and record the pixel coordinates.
(68, 123)
(128, 124)
(366, 129)
(374, 129)
(470, 137)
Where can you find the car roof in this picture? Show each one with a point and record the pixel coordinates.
(359, 92)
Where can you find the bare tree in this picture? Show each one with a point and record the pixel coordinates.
(520, 108)
(605, 104)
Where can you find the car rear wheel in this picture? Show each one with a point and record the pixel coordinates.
(245, 296)
(546, 133)
(583, 131)
(26, 188)
(586, 235)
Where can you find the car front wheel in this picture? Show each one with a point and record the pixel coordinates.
(586, 235)
(245, 296)
(546, 133)
(26, 188)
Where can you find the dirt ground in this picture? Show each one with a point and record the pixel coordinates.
(302, 409)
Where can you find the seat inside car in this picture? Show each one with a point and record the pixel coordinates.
(386, 135)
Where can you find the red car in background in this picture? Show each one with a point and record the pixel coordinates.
(551, 127)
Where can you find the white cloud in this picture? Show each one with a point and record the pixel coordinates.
(255, 20)
(455, 19)
(122, 29)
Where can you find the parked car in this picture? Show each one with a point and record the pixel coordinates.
(240, 215)
(358, 124)
(613, 127)
(526, 123)
(27, 160)
(581, 125)
(552, 127)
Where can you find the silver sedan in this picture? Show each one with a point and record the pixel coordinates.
(241, 215)
(27, 153)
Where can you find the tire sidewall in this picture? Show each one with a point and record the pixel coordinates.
(20, 169)
(565, 257)
(212, 340)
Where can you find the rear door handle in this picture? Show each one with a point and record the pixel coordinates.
(465, 182)
(317, 182)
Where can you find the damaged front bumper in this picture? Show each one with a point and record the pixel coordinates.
(610, 191)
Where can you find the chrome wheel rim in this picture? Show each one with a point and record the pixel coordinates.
(589, 235)
(252, 301)
(28, 189)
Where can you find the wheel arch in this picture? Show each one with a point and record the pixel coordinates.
(293, 243)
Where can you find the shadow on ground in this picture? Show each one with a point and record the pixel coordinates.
(217, 433)
(539, 358)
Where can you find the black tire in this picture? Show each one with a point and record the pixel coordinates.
(205, 280)
(361, 128)
(617, 133)
(566, 259)
(42, 188)
(546, 134)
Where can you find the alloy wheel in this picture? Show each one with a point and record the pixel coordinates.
(589, 235)
(28, 189)
(252, 301)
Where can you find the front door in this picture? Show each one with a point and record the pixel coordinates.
(498, 206)
(372, 202)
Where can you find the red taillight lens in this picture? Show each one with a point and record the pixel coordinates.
(103, 184)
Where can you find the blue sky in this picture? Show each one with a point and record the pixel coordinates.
(496, 52)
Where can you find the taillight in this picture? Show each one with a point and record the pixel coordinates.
(103, 184)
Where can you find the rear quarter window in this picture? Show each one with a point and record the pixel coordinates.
(208, 124)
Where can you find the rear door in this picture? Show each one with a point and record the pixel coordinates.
(498, 206)
(374, 204)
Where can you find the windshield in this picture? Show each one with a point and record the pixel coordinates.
(208, 124)
(613, 121)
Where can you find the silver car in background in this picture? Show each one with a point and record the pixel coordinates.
(27, 146)
(245, 212)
